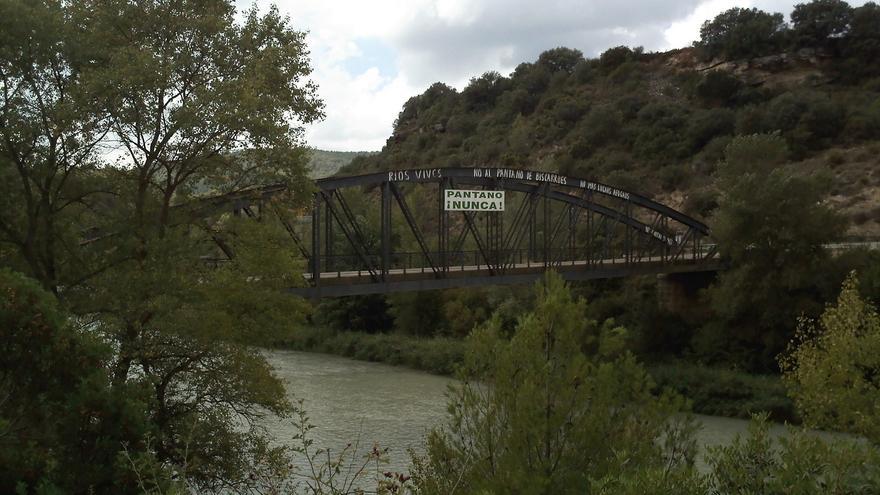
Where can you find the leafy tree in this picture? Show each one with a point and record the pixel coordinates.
(187, 99)
(770, 226)
(50, 133)
(481, 92)
(613, 58)
(820, 23)
(862, 43)
(833, 366)
(558, 405)
(742, 33)
(560, 59)
(61, 423)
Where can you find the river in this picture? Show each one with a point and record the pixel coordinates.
(394, 406)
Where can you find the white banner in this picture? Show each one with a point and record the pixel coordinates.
(468, 200)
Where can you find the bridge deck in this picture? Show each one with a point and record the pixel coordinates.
(359, 282)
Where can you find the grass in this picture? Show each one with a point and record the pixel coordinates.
(712, 391)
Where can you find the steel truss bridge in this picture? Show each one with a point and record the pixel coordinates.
(388, 232)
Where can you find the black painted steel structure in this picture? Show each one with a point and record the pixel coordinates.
(580, 228)
(365, 236)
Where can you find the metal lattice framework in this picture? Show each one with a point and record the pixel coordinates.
(366, 235)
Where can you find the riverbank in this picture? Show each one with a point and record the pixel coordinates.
(712, 391)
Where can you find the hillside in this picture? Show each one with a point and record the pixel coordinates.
(324, 163)
(658, 123)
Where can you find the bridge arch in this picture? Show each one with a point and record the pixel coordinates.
(582, 228)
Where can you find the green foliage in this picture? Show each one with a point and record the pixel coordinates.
(742, 33)
(326, 163)
(560, 59)
(803, 463)
(718, 88)
(806, 120)
(61, 423)
(724, 392)
(481, 92)
(863, 43)
(439, 355)
(711, 124)
(613, 58)
(770, 225)
(188, 97)
(557, 405)
(357, 313)
(820, 23)
(832, 367)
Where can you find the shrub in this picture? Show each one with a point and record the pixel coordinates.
(718, 88)
(706, 125)
(613, 58)
(723, 392)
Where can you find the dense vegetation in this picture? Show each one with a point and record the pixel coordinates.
(128, 359)
(569, 410)
(765, 129)
(125, 354)
(658, 123)
(324, 163)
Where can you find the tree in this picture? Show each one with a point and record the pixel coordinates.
(49, 138)
(481, 92)
(770, 226)
(185, 99)
(820, 23)
(863, 42)
(61, 423)
(742, 33)
(559, 405)
(560, 59)
(833, 366)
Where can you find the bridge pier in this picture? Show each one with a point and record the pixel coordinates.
(679, 293)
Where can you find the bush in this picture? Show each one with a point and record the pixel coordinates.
(62, 424)
(706, 125)
(435, 355)
(613, 58)
(802, 463)
(600, 127)
(718, 88)
(723, 392)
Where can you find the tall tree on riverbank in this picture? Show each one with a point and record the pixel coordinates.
(770, 225)
(149, 104)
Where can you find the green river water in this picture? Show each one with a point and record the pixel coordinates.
(349, 400)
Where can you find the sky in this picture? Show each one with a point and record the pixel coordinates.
(370, 56)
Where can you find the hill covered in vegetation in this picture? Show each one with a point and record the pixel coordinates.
(323, 163)
(658, 123)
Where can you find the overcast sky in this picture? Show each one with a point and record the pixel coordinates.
(370, 56)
